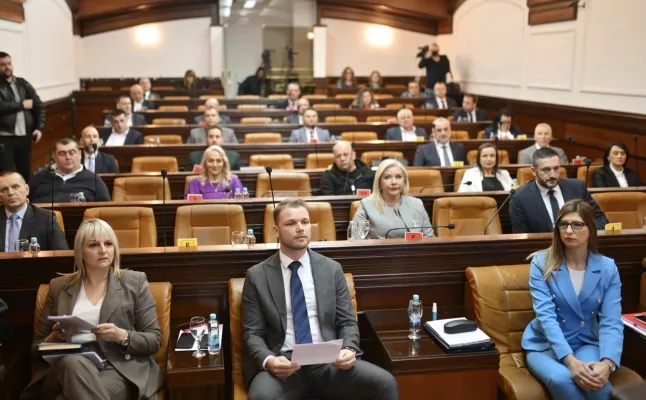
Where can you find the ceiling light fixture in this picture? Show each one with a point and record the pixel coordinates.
(249, 4)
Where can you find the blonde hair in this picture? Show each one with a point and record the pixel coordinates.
(93, 228)
(377, 198)
(225, 175)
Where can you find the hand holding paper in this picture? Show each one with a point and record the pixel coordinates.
(80, 324)
(317, 353)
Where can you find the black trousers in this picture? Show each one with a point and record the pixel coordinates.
(16, 154)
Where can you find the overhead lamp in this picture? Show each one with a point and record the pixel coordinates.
(249, 4)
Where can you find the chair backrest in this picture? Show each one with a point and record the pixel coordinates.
(354, 206)
(315, 96)
(425, 118)
(276, 161)
(169, 121)
(459, 135)
(212, 96)
(154, 164)
(629, 208)
(379, 96)
(419, 178)
(457, 179)
(135, 227)
(161, 293)
(286, 184)
(255, 120)
(321, 221)
(211, 224)
(263, 137)
(235, 328)
(319, 160)
(277, 96)
(359, 136)
(524, 175)
(166, 88)
(344, 96)
(580, 173)
(251, 107)
(140, 188)
(341, 119)
(173, 108)
(163, 139)
(59, 219)
(326, 106)
(481, 133)
(367, 157)
(469, 215)
(503, 157)
(247, 96)
(381, 118)
(187, 181)
(174, 97)
(398, 106)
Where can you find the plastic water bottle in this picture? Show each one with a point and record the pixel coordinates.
(214, 335)
(352, 231)
(245, 194)
(237, 195)
(251, 239)
(34, 247)
(81, 198)
(415, 311)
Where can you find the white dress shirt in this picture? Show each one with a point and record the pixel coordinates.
(89, 312)
(546, 199)
(137, 107)
(21, 217)
(116, 139)
(311, 134)
(130, 121)
(66, 177)
(505, 135)
(442, 104)
(440, 153)
(408, 136)
(147, 95)
(621, 178)
(577, 279)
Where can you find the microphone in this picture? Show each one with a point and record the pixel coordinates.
(52, 174)
(447, 226)
(164, 174)
(468, 183)
(636, 139)
(571, 140)
(511, 193)
(94, 149)
(398, 214)
(285, 191)
(587, 171)
(269, 169)
(347, 174)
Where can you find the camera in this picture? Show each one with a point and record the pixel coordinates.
(422, 51)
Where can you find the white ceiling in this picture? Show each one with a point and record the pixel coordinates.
(268, 12)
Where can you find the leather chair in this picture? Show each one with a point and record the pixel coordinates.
(525, 175)
(139, 188)
(481, 133)
(263, 137)
(162, 294)
(154, 164)
(321, 220)
(327, 106)
(629, 208)
(319, 160)
(459, 135)
(286, 184)
(425, 118)
(169, 88)
(255, 120)
(251, 107)
(354, 206)
(341, 119)
(359, 136)
(580, 174)
(340, 96)
(134, 226)
(469, 215)
(384, 119)
(367, 157)
(457, 179)
(315, 96)
(379, 96)
(59, 219)
(211, 96)
(173, 108)
(187, 181)
(498, 299)
(503, 157)
(395, 86)
(237, 342)
(418, 178)
(163, 139)
(169, 121)
(174, 97)
(642, 289)
(398, 106)
(277, 96)
(211, 224)
(276, 161)
(247, 96)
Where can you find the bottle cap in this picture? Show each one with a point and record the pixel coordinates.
(434, 307)
(212, 316)
(244, 188)
(416, 297)
(34, 239)
(249, 231)
(351, 222)
(237, 190)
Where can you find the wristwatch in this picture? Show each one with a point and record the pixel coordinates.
(126, 341)
(351, 349)
(611, 364)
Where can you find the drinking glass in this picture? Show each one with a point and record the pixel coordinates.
(21, 245)
(237, 237)
(364, 229)
(74, 197)
(198, 328)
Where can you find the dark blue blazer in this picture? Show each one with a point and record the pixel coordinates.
(490, 133)
(104, 164)
(395, 133)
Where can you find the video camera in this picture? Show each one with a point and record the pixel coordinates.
(422, 51)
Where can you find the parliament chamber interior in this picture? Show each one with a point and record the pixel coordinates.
(436, 145)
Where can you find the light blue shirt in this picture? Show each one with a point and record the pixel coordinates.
(21, 217)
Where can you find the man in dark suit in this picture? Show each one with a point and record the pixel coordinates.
(293, 94)
(470, 111)
(214, 137)
(120, 134)
(212, 103)
(406, 131)
(211, 118)
(20, 220)
(535, 205)
(441, 152)
(297, 116)
(502, 127)
(125, 103)
(439, 100)
(139, 102)
(147, 86)
(92, 159)
(298, 296)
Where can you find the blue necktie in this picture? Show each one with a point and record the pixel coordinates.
(302, 333)
(90, 163)
(14, 232)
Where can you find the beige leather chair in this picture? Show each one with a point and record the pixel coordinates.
(135, 227)
(170, 88)
(263, 137)
(457, 179)
(187, 181)
(425, 118)
(419, 178)
(580, 174)
(321, 221)
(138, 188)
(354, 206)
(286, 184)
(481, 133)
(276, 161)
(315, 96)
(172, 108)
(319, 160)
(524, 175)
(277, 96)
(154, 164)
(367, 157)
(498, 299)
(251, 107)
(255, 120)
(211, 224)
(503, 157)
(247, 96)
(174, 97)
(237, 342)
(326, 106)
(212, 96)
(344, 96)
(629, 208)
(169, 121)
(383, 119)
(469, 215)
(460, 135)
(341, 119)
(163, 139)
(59, 220)
(398, 106)
(359, 136)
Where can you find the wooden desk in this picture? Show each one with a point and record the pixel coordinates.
(422, 367)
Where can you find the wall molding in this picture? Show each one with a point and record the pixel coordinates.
(614, 92)
(551, 11)
(546, 32)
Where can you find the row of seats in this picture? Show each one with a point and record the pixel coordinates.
(332, 119)
(243, 96)
(318, 106)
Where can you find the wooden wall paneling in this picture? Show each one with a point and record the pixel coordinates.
(550, 11)
(12, 10)
(58, 125)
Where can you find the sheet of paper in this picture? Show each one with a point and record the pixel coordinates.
(317, 353)
(194, 348)
(81, 324)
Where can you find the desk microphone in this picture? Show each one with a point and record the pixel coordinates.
(52, 174)
(269, 169)
(511, 193)
(467, 183)
(447, 226)
(587, 171)
(164, 174)
(636, 139)
(347, 174)
(94, 150)
(399, 215)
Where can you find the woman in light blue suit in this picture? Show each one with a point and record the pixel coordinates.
(574, 343)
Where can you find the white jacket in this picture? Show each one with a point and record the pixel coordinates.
(475, 176)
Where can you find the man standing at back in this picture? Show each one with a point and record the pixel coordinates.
(22, 119)
(298, 296)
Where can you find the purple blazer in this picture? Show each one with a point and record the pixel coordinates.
(214, 192)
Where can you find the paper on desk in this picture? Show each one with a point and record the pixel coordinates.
(317, 353)
(80, 324)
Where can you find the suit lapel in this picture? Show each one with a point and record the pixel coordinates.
(274, 275)
(67, 298)
(435, 158)
(322, 282)
(562, 279)
(542, 215)
(3, 231)
(27, 223)
(612, 178)
(113, 297)
(591, 278)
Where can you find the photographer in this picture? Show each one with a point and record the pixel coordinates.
(437, 66)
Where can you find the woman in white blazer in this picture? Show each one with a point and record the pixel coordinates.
(486, 176)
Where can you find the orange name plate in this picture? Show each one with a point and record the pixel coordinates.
(197, 169)
(414, 236)
(363, 192)
(194, 197)
(313, 140)
(577, 161)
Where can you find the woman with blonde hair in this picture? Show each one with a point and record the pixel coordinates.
(118, 303)
(388, 210)
(215, 180)
(575, 342)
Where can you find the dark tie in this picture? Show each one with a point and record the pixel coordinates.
(469, 117)
(444, 104)
(554, 204)
(302, 331)
(445, 156)
(13, 232)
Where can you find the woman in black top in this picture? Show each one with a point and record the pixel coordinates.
(348, 79)
(437, 67)
(613, 173)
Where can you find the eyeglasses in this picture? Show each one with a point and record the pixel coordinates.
(576, 225)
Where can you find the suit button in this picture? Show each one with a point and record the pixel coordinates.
(598, 301)
(127, 356)
(564, 321)
(558, 309)
(582, 323)
(592, 312)
(553, 296)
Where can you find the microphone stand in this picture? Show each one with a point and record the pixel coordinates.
(269, 169)
(164, 174)
(587, 171)
(511, 193)
(447, 226)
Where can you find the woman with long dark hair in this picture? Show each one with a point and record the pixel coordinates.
(614, 172)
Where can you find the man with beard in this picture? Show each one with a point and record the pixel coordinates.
(298, 296)
(535, 205)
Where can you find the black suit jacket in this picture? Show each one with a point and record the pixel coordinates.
(104, 163)
(490, 133)
(37, 223)
(432, 103)
(395, 133)
(426, 154)
(195, 158)
(604, 177)
(463, 116)
(528, 212)
(132, 137)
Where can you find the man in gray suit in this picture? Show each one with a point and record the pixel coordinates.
(297, 117)
(441, 152)
(406, 131)
(211, 119)
(298, 296)
(309, 133)
(542, 138)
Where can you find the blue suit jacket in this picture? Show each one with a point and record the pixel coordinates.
(562, 317)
